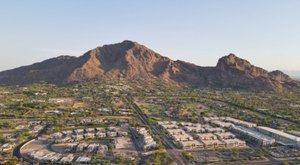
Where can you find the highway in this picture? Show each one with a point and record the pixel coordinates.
(171, 149)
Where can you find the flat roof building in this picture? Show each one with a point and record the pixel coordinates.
(206, 136)
(240, 122)
(225, 135)
(222, 123)
(189, 145)
(172, 132)
(67, 159)
(214, 130)
(212, 144)
(194, 128)
(233, 143)
(280, 136)
(182, 137)
(83, 160)
(253, 135)
(145, 139)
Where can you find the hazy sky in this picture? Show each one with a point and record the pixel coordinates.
(265, 32)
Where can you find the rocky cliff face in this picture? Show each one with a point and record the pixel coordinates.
(132, 61)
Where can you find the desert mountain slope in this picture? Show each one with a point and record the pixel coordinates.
(131, 61)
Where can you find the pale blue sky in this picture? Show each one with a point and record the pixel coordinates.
(265, 32)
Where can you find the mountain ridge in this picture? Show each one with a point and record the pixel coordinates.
(132, 61)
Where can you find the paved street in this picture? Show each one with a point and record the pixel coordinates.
(171, 149)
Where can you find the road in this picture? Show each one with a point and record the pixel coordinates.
(17, 152)
(259, 112)
(170, 148)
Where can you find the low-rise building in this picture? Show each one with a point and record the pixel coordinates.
(182, 137)
(71, 147)
(233, 143)
(206, 136)
(222, 123)
(89, 130)
(121, 142)
(168, 124)
(253, 135)
(189, 145)
(213, 144)
(100, 129)
(111, 134)
(100, 134)
(92, 147)
(172, 132)
(240, 122)
(105, 110)
(114, 129)
(145, 139)
(186, 123)
(122, 133)
(225, 135)
(81, 147)
(102, 148)
(78, 131)
(64, 140)
(77, 137)
(6, 147)
(83, 160)
(124, 111)
(54, 158)
(67, 159)
(214, 130)
(194, 129)
(67, 133)
(280, 136)
(56, 135)
(89, 135)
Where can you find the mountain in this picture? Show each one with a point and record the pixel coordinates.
(131, 61)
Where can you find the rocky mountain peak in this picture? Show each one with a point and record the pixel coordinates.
(132, 61)
(280, 76)
(232, 61)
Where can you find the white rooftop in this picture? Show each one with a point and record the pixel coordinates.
(281, 133)
(254, 133)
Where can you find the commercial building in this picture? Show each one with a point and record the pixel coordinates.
(189, 145)
(253, 135)
(182, 137)
(225, 135)
(280, 136)
(222, 123)
(214, 130)
(233, 143)
(212, 144)
(168, 124)
(145, 139)
(206, 136)
(172, 132)
(194, 128)
(240, 122)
